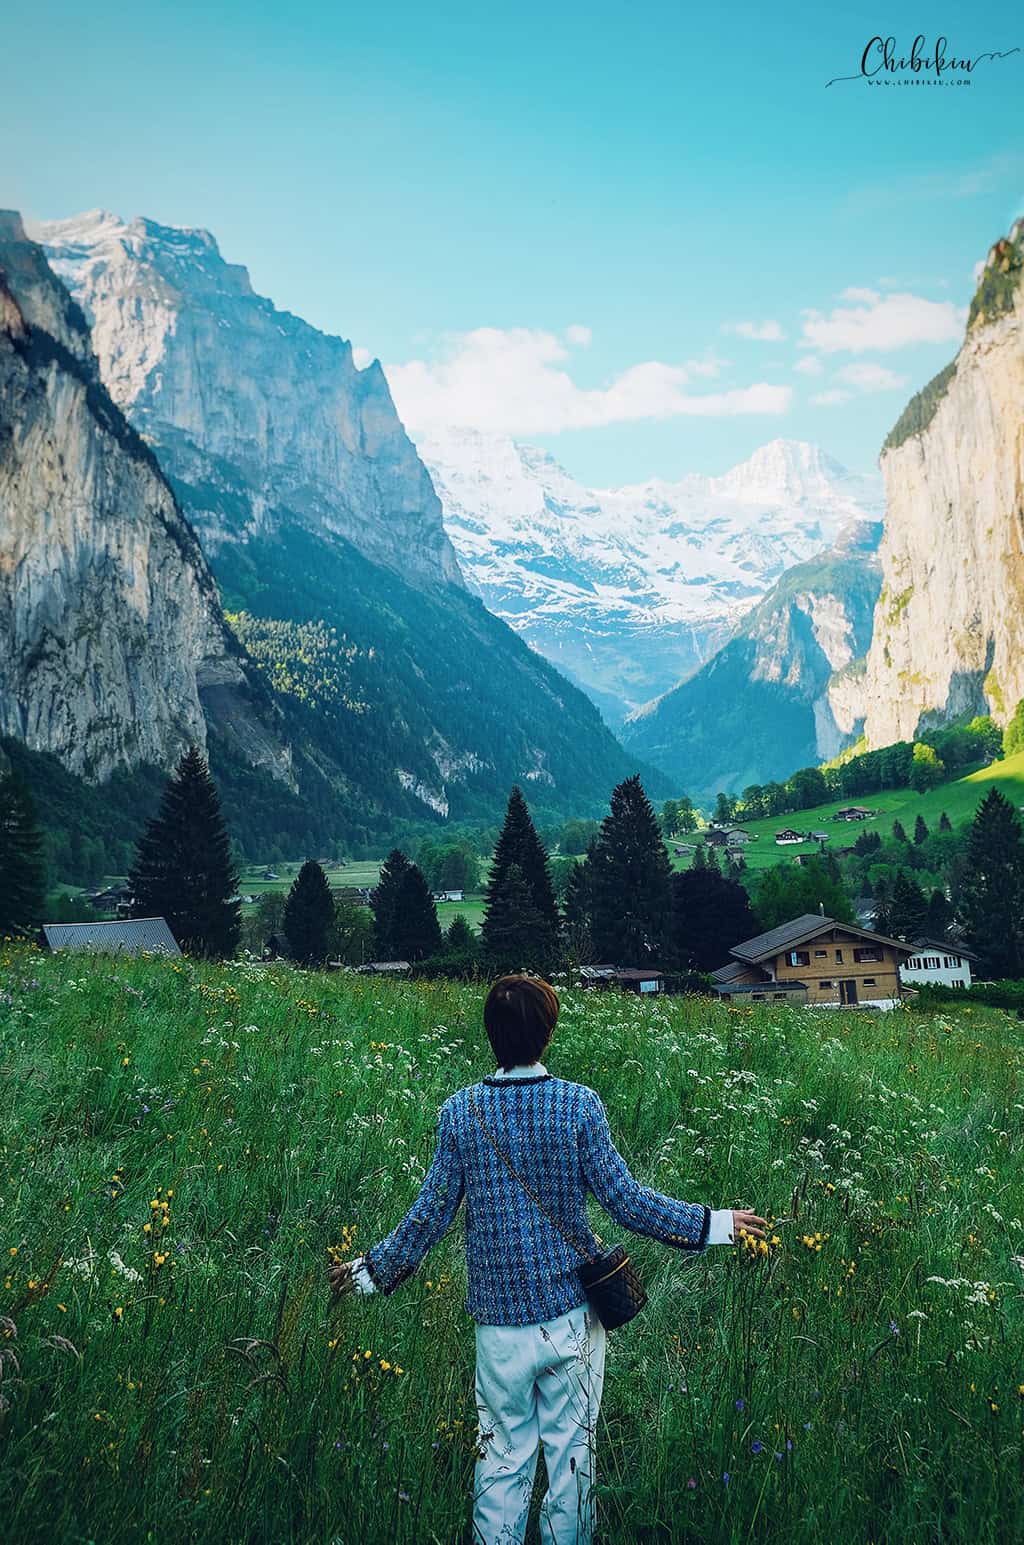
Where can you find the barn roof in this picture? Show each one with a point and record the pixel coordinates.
(943, 949)
(127, 936)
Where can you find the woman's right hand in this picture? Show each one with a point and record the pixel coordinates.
(743, 1218)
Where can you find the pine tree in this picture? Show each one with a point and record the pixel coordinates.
(920, 830)
(938, 916)
(710, 915)
(899, 831)
(992, 889)
(459, 936)
(945, 824)
(416, 932)
(519, 846)
(576, 909)
(183, 869)
(309, 915)
(22, 882)
(514, 933)
(384, 901)
(630, 881)
(908, 906)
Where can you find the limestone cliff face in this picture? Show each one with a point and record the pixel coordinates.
(948, 633)
(259, 419)
(762, 706)
(113, 648)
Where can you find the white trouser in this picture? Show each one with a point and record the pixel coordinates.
(538, 1383)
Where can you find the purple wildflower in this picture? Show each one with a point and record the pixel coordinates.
(725, 1478)
(740, 1403)
(757, 1447)
(691, 1484)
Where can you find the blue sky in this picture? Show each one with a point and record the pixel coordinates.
(615, 230)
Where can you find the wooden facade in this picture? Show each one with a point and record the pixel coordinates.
(815, 960)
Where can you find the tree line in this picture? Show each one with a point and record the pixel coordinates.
(621, 904)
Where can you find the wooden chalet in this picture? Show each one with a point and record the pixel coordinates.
(815, 960)
(853, 813)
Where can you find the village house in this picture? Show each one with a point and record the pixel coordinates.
(788, 835)
(853, 813)
(625, 978)
(942, 965)
(715, 837)
(815, 960)
(449, 895)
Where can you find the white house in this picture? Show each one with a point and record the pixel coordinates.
(941, 965)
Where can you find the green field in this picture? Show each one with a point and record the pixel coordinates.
(959, 799)
(194, 1383)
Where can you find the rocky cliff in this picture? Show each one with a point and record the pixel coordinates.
(326, 538)
(948, 633)
(258, 418)
(761, 707)
(113, 649)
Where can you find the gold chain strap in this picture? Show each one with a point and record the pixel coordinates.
(508, 1164)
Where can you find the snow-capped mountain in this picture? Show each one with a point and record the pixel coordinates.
(628, 590)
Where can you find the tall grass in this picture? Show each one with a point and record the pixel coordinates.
(863, 1380)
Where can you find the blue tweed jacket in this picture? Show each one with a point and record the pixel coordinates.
(520, 1269)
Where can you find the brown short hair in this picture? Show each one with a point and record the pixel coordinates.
(520, 1014)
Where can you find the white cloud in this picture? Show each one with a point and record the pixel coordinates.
(831, 399)
(869, 377)
(764, 332)
(578, 334)
(360, 357)
(810, 365)
(516, 381)
(882, 322)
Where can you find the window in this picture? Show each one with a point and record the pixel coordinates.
(839, 956)
(868, 952)
(869, 981)
(799, 958)
(757, 994)
(819, 952)
(824, 984)
(779, 995)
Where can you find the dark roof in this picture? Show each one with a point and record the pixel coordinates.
(729, 972)
(788, 935)
(947, 948)
(130, 936)
(620, 973)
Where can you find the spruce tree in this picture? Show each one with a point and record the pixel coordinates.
(416, 932)
(515, 936)
(710, 915)
(908, 907)
(899, 831)
(945, 824)
(938, 916)
(630, 882)
(920, 830)
(22, 873)
(309, 915)
(992, 888)
(384, 901)
(459, 937)
(183, 869)
(576, 909)
(519, 847)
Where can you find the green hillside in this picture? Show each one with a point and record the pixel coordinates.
(959, 799)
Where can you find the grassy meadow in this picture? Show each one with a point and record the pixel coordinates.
(959, 798)
(182, 1143)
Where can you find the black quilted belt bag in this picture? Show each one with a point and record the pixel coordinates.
(614, 1290)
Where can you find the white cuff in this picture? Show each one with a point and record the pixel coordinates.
(364, 1283)
(720, 1228)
